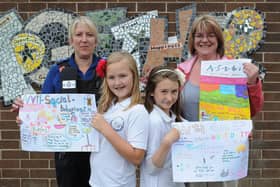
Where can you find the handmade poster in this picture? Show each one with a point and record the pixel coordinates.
(210, 151)
(58, 123)
(223, 90)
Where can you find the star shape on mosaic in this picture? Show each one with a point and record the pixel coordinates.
(27, 53)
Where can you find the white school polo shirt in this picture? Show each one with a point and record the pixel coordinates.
(108, 167)
(150, 175)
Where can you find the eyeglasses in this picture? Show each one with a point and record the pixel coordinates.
(201, 36)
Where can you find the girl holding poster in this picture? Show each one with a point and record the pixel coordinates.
(122, 123)
(163, 103)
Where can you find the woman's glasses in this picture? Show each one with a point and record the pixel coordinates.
(201, 36)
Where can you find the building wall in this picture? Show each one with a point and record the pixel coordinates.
(31, 169)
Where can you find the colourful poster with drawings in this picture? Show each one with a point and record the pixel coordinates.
(210, 151)
(223, 90)
(58, 123)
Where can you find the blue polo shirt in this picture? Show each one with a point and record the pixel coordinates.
(52, 83)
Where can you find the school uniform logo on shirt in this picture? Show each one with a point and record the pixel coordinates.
(117, 123)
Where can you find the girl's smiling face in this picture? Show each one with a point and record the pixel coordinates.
(120, 79)
(166, 94)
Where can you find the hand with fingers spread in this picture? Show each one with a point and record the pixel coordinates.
(252, 72)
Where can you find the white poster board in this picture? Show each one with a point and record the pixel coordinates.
(211, 151)
(58, 123)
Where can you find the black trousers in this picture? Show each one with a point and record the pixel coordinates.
(72, 169)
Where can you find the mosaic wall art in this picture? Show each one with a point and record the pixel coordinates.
(244, 32)
(13, 83)
(132, 31)
(29, 48)
(104, 20)
(162, 50)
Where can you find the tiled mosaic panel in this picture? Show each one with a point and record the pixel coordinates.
(160, 46)
(50, 27)
(244, 32)
(30, 48)
(104, 20)
(131, 33)
(13, 83)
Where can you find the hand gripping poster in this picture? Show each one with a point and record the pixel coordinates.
(223, 90)
(58, 123)
(210, 151)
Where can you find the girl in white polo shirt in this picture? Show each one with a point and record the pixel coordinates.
(163, 103)
(122, 123)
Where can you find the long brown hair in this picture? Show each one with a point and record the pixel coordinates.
(158, 74)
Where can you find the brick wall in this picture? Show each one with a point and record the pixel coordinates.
(24, 169)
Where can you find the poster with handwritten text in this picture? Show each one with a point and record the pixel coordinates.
(210, 151)
(223, 90)
(58, 123)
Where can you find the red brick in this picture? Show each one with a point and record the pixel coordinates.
(10, 135)
(271, 86)
(41, 155)
(8, 115)
(271, 106)
(15, 173)
(42, 173)
(34, 163)
(149, 7)
(172, 7)
(4, 144)
(271, 173)
(267, 125)
(9, 163)
(35, 183)
(272, 37)
(8, 125)
(91, 6)
(271, 154)
(266, 163)
(9, 182)
(266, 183)
(67, 6)
(210, 7)
(15, 155)
(272, 96)
(254, 173)
(131, 7)
(31, 7)
(232, 6)
(260, 144)
(270, 47)
(268, 7)
(273, 27)
(272, 115)
(271, 57)
(275, 16)
(275, 135)
(7, 6)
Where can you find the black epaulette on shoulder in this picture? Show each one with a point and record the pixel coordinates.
(64, 62)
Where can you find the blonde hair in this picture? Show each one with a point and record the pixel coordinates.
(86, 21)
(108, 96)
(208, 24)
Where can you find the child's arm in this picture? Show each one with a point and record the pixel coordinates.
(159, 156)
(133, 155)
